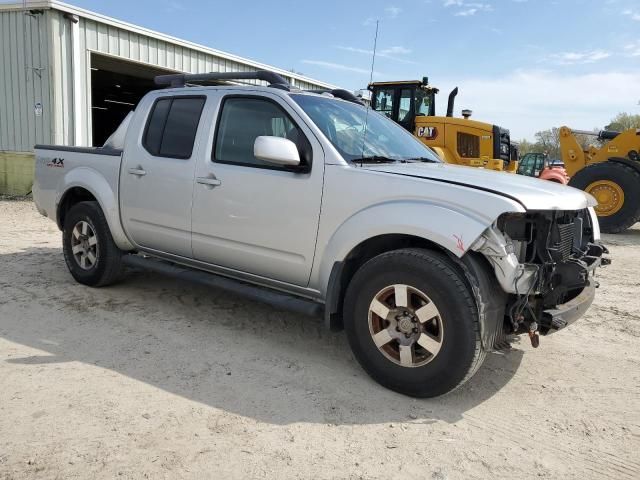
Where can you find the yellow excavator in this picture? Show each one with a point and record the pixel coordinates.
(461, 141)
(611, 173)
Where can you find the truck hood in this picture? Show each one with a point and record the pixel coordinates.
(532, 193)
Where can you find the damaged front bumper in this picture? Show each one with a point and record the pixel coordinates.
(561, 316)
(545, 262)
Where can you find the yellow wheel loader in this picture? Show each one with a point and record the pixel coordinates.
(611, 173)
(461, 141)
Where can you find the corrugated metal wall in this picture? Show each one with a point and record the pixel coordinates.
(36, 67)
(61, 78)
(24, 81)
(104, 39)
(99, 38)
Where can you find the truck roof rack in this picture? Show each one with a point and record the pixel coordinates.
(182, 79)
(339, 93)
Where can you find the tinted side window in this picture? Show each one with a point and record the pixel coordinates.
(243, 120)
(155, 125)
(172, 127)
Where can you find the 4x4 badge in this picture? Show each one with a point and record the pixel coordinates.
(56, 162)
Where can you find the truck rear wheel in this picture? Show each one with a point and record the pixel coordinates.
(616, 187)
(89, 250)
(412, 322)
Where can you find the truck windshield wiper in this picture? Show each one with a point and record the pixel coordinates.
(383, 159)
(422, 159)
(377, 159)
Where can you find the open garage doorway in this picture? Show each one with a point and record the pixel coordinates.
(116, 88)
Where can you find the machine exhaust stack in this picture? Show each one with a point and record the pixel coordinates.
(452, 98)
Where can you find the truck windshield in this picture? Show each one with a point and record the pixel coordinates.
(362, 136)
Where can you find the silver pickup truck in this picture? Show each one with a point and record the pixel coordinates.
(313, 197)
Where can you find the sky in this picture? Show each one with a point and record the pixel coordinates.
(526, 65)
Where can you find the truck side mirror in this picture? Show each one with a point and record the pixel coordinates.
(276, 150)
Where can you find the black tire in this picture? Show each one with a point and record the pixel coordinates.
(107, 267)
(627, 178)
(460, 354)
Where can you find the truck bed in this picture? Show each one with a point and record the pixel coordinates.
(86, 167)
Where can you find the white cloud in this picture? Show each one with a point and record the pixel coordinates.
(340, 67)
(356, 50)
(466, 13)
(575, 58)
(392, 11)
(632, 14)
(393, 53)
(632, 49)
(466, 8)
(526, 102)
(335, 66)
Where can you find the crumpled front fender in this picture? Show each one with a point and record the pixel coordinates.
(450, 229)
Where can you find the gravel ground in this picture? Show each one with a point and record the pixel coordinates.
(155, 378)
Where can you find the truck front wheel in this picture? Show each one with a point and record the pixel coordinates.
(89, 251)
(412, 322)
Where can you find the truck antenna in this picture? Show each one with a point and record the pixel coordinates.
(366, 118)
(373, 58)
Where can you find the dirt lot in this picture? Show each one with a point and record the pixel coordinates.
(154, 378)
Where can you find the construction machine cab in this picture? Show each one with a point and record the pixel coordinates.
(403, 101)
(539, 165)
(461, 141)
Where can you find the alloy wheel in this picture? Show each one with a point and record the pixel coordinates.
(84, 245)
(405, 325)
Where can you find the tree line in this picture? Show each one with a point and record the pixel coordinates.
(549, 140)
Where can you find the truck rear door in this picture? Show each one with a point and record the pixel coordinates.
(249, 215)
(156, 180)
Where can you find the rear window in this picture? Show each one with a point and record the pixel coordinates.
(172, 126)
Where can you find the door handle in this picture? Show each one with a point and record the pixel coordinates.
(137, 171)
(209, 181)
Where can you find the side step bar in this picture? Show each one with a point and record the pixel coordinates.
(273, 298)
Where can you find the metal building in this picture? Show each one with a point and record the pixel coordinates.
(68, 76)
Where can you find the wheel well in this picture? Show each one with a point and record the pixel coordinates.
(72, 197)
(358, 256)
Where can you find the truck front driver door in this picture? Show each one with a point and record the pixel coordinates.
(249, 215)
